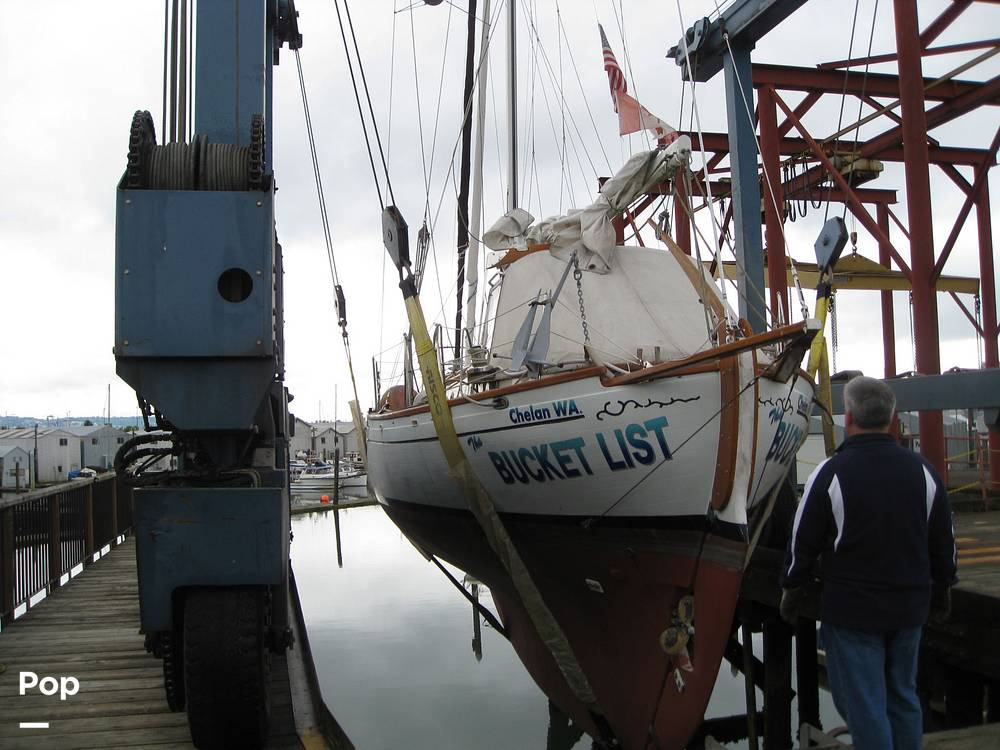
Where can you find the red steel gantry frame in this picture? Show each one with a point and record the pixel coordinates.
(907, 141)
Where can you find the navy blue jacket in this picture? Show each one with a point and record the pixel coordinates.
(877, 520)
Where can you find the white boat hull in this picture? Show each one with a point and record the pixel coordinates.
(581, 449)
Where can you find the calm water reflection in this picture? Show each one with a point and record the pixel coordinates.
(393, 644)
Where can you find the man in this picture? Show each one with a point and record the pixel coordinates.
(877, 519)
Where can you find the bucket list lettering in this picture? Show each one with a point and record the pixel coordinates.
(620, 449)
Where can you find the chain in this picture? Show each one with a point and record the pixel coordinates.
(913, 336)
(833, 329)
(578, 278)
(979, 328)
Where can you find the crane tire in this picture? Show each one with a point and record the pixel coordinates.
(226, 667)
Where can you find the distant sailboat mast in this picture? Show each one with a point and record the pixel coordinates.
(511, 105)
(463, 189)
(472, 258)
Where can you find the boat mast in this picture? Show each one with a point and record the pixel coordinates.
(512, 105)
(472, 259)
(463, 188)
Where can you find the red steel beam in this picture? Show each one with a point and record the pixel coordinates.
(855, 83)
(902, 227)
(883, 144)
(890, 56)
(800, 110)
(968, 315)
(773, 205)
(856, 206)
(791, 146)
(987, 277)
(888, 320)
(956, 177)
(919, 212)
(836, 195)
(963, 213)
(876, 104)
(943, 21)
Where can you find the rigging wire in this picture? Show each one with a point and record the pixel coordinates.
(357, 98)
(388, 147)
(586, 102)
(781, 226)
(708, 184)
(861, 99)
(843, 99)
(316, 173)
(562, 113)
(338, 291)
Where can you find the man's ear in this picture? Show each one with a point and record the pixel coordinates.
(848, 420)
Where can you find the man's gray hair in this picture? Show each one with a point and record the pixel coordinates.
(870, 401)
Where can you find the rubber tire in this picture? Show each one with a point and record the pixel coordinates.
(226, 667)
(173, 669)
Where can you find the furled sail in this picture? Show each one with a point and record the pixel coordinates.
(589, 231)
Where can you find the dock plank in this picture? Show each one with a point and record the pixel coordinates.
(89, 628)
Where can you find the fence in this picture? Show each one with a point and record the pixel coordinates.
(45, 535)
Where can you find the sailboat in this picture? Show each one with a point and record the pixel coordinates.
(623, 423)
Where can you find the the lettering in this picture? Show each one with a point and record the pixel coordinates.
(523, 455)
(642, 451)
(65, 686)
(543, 412)
(622, 448)
(542, 456)
(613, 464)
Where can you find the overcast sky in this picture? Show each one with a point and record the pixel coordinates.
(73, 74)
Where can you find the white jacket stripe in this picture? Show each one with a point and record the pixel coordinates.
(837, 506)
(930, 487)
(802, 505)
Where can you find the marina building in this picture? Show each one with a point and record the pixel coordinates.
(59, 450)
(301, 441)
(329, 436)
(98, 444)
(15, 467)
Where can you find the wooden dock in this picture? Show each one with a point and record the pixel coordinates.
(89, 629)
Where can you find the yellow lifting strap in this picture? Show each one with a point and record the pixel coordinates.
(485, 512)
(818, 363)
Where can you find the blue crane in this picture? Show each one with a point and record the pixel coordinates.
(199, 337)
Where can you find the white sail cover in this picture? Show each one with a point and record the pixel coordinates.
(645, 301)
(589, 231)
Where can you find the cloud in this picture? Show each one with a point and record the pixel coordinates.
(71, 102)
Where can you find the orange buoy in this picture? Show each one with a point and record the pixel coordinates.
(324, 499)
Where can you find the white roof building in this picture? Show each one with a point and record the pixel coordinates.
(59, 451)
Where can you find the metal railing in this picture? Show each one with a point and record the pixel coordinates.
(47, 534)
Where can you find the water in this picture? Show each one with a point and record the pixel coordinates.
(392, 641)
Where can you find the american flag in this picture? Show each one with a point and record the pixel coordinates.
(616, 79)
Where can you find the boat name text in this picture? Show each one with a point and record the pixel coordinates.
(621, 449)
